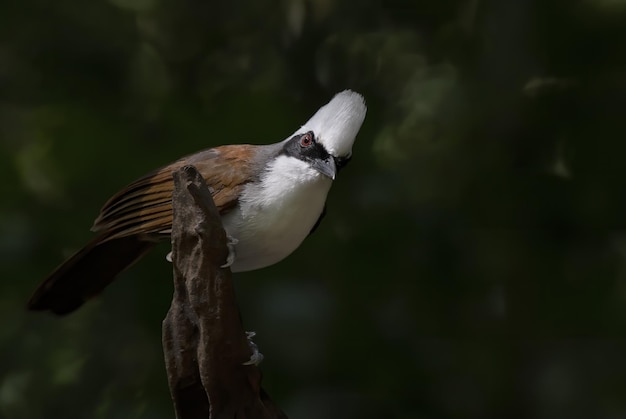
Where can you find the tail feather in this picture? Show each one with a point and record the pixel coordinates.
(87, 273)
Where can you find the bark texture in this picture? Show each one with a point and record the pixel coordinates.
(204, 343)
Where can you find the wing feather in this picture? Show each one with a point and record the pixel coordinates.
(144, 207)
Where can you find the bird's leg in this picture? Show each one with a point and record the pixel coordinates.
(231, 242)
(257, 356)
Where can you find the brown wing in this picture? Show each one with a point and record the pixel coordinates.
(144, 207)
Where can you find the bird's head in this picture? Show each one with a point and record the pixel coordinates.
(325, 140)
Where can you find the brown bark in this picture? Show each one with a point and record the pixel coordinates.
(204, 343)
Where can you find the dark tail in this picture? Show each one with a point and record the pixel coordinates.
(87, 273)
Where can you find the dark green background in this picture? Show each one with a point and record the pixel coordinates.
(473, 260)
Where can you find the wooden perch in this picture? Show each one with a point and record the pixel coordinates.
(204, 343)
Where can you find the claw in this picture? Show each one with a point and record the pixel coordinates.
(230, 259)
(168, 257)
(257, 356)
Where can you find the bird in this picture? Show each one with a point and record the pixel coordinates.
(269, 197)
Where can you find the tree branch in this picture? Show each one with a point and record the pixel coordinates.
(204, 343)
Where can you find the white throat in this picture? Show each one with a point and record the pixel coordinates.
(277, 213)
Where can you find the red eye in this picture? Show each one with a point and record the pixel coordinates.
(306, 140)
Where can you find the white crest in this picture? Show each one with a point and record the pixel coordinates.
(337, 123)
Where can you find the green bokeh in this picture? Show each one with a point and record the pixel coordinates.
(473, 259)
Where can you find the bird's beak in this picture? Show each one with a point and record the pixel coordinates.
(326, 167)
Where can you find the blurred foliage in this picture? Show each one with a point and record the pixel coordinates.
(474, 255)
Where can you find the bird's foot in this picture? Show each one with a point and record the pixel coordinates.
(168, 257)
(230, 259)
(257, 356)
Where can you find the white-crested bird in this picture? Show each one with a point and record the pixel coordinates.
(270, 198)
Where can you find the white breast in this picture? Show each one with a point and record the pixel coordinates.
(276, 214)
